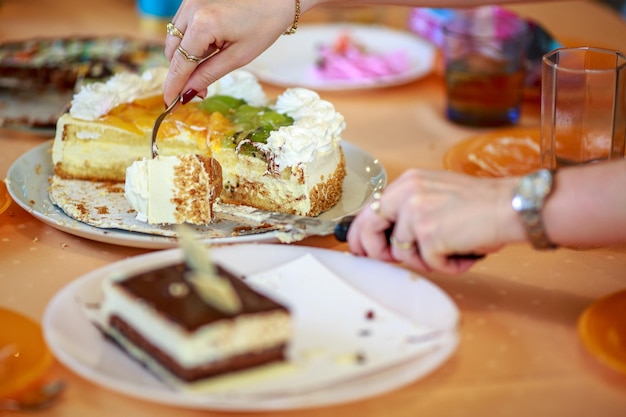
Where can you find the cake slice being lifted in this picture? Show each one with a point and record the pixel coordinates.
(174, 189)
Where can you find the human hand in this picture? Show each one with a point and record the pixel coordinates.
(437, 215)
(239, 29)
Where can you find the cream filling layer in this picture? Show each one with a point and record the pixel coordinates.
(292, 191)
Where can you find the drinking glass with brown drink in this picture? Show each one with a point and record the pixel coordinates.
(485, 54)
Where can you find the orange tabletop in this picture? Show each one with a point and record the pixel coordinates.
(519, 354)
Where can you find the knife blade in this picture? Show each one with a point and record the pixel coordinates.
(307, 226)
(302, 226)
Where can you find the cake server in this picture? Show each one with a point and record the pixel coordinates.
(157, 124)
(298, 227)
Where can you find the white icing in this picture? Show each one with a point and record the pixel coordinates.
(316, 131)
(239, 84)
(294, 101)
(97, 99)
(136, 188)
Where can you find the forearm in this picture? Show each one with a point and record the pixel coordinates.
(588, 206)
(308, 4)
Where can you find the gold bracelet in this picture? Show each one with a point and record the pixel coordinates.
(296, 18)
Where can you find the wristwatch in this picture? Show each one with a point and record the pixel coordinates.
(528, 201)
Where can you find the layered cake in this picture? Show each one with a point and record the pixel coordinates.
(163, 319)
(174, 189)
(284, 155)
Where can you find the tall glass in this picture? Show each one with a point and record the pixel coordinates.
(583, 106)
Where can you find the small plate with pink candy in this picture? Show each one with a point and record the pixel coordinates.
(345, 56)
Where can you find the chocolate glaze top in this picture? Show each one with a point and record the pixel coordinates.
(166, 290)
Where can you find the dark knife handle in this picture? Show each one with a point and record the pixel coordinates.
(341, 229)
(341, 234)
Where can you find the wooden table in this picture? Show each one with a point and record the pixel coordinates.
(519, 355)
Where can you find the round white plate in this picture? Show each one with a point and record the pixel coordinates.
(334, 298)
(289, 62)
(27, 182)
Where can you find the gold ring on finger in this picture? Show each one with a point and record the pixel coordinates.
(189, 57)
(173, 30)
(402, 245)
(376, 207)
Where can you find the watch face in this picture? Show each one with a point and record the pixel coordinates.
(531, 190)
(529, 198)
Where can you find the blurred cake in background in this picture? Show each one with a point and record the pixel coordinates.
(39, 76)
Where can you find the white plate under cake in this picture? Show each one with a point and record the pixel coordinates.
(28, 183)
(361, 328)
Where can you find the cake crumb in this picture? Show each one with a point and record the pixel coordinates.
(360, 358)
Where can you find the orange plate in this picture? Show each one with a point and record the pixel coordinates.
(499, 153)
(5, 199)
(24, 356)
(602, 329)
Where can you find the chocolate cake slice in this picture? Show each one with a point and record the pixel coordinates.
(160, 319)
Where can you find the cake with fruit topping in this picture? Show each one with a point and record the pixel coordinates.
(193, 320)
(283, 155)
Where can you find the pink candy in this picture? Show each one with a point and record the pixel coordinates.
(345, 60)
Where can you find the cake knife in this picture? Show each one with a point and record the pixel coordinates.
(298, 227)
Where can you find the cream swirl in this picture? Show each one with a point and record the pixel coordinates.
(316, 130)
(97, 99)
(295, 101)
(239, 84)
